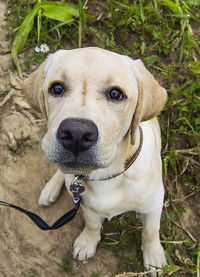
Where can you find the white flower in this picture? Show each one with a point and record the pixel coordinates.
(44, 48)
(37, 49)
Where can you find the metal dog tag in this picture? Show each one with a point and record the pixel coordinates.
(77, 188)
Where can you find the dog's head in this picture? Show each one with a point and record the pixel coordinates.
(93, 99)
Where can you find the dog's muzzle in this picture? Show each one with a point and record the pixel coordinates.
(77, 135)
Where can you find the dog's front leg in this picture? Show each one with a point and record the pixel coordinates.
(52, 189)
(86, 243)
(153, 253)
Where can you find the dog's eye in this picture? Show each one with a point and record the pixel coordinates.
(57, 89)
(115, 94)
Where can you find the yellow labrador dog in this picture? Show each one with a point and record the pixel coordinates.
(98, 105)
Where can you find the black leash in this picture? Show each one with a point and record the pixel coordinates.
(76, 188)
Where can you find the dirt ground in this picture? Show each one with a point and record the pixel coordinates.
(23, 172)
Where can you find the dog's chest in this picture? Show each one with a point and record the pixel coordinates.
(111, 199)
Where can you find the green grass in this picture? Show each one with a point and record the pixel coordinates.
(95, 274)
(165, 35)
(67, 264)
(31, 272)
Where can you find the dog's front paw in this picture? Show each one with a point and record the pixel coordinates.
(85, 245)
(154, 257)
(49, 194)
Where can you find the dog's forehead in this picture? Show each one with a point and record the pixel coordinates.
(88, 55)
(91, 59)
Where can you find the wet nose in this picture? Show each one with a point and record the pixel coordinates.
(77, 135)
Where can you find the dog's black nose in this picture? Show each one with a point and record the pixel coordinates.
(77, 134)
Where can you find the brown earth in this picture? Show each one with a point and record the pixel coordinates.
(23, 172)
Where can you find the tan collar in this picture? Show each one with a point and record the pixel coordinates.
(132, 159)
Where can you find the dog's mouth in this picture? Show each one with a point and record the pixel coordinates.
(78, 168)
(82, 164)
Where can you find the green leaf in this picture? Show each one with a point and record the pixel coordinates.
(193, 2)
(59, 11)
(173, 6)
(22, 35)
(149, 61)
(196, 67)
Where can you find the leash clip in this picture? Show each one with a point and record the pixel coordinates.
(77, 188)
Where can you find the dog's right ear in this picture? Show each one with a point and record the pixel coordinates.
(151, 96)
(33, 87)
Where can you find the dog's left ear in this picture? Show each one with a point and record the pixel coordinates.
(151, 96)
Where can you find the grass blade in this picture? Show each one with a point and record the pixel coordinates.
(142, 12)
(57, 26)
(81, 22)
(198, 264)
(39, 24)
